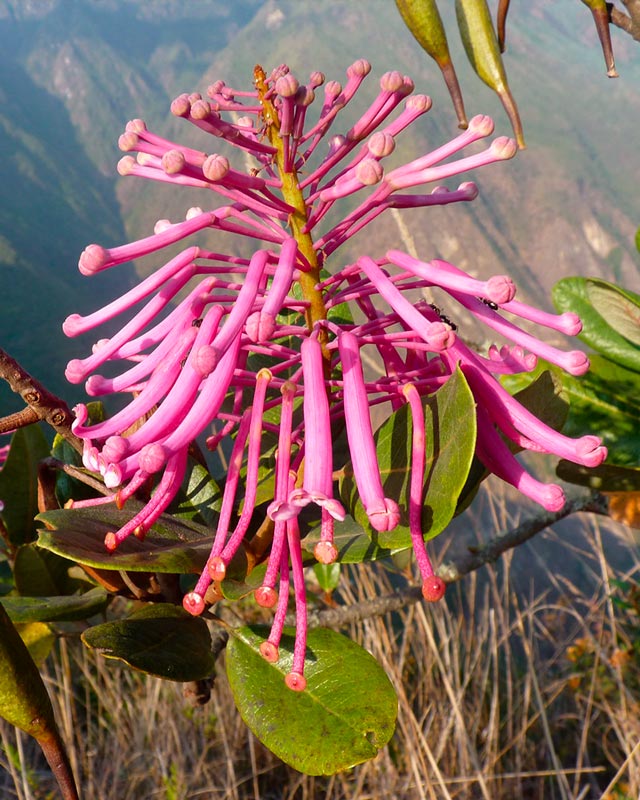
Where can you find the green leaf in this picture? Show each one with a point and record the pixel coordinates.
(618, 306)
(327, 575)
(39, 573)
(354, 544)
(546, 397)
(450, 423)
(344, 716)
(574, 294)
(19, 483)
(542, 393)
(39, 638)
(199, 497)
(160, 639)
(606, 402)
(54, 609)
(24, 701)
(170, 546)
(237, 584)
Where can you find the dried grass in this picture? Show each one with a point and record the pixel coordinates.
(485, 710)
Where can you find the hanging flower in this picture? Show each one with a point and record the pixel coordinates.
(187, 352)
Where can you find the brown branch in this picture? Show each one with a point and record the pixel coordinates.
(18, 420)
(46, 406)
(454, 570)
(629, 22)
(78, 473)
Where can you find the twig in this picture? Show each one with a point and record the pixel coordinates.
(494, 548)
(454, 570)
(46, 406)
(18, 420)
(630, 22)
(78, 473)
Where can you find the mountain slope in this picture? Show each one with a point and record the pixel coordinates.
(72, 73)
(567, 205)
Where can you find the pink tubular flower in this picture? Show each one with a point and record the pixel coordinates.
(383, 512)
(260, 346)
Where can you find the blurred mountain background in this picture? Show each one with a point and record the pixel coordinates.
(72, 72)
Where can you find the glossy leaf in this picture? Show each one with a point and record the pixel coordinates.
(160, 639)
(605, 401)
(619, 307)
(450, 446)
(354, 544)
(344, 716)
(546, 397)
(19, 483)
(238, 583)
(54, 609)
(199, 497)
(574, 294)
(172, 546)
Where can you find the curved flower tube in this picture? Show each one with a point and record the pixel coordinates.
(268, 343)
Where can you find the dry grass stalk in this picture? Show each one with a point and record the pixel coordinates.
(484, 705)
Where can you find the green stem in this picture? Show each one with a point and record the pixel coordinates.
(292, 195)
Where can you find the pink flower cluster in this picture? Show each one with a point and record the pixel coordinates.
(204, 318)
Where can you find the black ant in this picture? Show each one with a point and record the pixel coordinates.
(443, 317)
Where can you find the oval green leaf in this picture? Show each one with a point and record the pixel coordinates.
(450, 423)
(345, 715)
(54, 609)
(39, 638)
(160, 639)
(171, 546)
(619, 307)
(606, 401)
(573, 294)
(327, 575)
